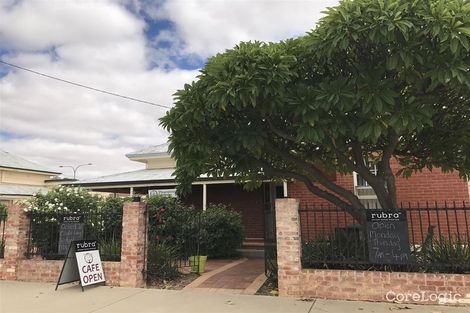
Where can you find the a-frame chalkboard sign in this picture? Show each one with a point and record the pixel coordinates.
(82, 264)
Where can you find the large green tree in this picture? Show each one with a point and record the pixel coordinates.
(375, 80)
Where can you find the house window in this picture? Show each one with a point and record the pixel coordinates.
(361, 182)
(364, 191)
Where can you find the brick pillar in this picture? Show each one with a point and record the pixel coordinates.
(16, 241)
(133, 245)
(288, 247)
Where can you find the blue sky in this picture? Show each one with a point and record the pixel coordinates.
(139, 48)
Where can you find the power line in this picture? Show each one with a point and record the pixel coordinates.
(84, 86)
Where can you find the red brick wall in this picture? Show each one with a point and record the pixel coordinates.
(296, 282)
(49, 270)
(424, 189)
(248, 203)
(433, 187)
(298, 190)
(421, 288)
(128, 272)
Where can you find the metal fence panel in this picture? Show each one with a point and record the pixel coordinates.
(439, 239)
(3, 223)
(44, 234)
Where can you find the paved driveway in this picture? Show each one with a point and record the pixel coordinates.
(21, 297)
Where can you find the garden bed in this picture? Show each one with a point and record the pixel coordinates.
(177, 283)
(269, 288)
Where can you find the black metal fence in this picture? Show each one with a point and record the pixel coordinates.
(174, 244)
(270, 242)
(439, 238)
(45, 237)
(3, 223)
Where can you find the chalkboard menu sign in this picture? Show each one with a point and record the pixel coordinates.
(71, 229)
(387, 237)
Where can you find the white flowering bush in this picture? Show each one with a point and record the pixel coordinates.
(101, 215)
(64, 199)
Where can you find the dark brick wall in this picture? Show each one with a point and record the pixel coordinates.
(248, 203)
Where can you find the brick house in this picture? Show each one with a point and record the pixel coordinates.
(436, 187)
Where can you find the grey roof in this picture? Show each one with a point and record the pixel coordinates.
(21, 190)
(145, 175)
(151, 151)
(13, 161)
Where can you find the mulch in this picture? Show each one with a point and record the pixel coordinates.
(269, 288)
(177, 283)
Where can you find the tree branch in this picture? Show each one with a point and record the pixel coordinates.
(358, 213)
(316, 173)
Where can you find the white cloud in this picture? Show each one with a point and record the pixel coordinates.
(211, 26)
(98, 44)
(102, 44)
(37, 25)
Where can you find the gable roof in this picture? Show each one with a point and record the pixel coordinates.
(8, 160)
(158, 150)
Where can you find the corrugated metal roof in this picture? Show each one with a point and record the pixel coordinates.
(163, 174)
(151, 151)
(13, 161)
(21, 190)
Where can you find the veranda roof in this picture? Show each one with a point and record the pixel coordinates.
(21, 190)
(134, 177)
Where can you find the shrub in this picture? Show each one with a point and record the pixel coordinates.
(172, 224)
(324, 251)
(3, 218)
(162, 261)
(99, 214)
(110, 250)
(2, 248)
(222, 231)
(216, 232)
(3, 212)
(451, 255)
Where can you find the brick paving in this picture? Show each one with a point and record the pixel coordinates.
(238, 277)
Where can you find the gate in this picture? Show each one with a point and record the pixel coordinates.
(270, 242)
(173, 243)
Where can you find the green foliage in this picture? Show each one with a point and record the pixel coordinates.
(110, 250)
(224, 231)
(64, 199)
(102, 218)
(173, 224)
(372, 77)
(161, 261)
(3, 212)
(2, 248)
(216, 232)
(324, 251)
(452, 255)
(340, 252)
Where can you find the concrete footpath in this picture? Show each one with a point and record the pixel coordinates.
(20, 297)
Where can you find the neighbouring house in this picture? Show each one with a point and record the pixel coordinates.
(21, 178)
(157, 177)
